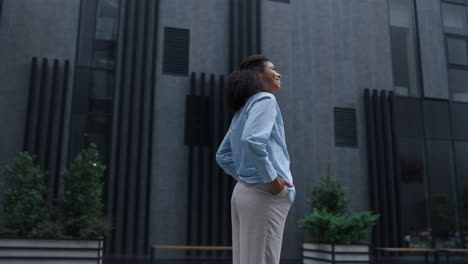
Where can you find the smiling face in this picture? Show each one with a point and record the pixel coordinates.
(270, 77)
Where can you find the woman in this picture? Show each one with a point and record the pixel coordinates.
(254, 152)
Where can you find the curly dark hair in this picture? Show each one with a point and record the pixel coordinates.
(245, 82)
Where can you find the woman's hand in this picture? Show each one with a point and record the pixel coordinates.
(278, 185)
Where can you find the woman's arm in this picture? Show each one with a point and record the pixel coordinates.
(224, 157)
(255, 136)
(257, 130)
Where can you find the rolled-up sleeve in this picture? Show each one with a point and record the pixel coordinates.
(224, 157)
(257, 130)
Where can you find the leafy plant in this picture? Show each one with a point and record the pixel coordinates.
(464, 200)
(82, 202)
(25, 211)
(327, 227)
(329, 196)
(442, 210)
(328, 222)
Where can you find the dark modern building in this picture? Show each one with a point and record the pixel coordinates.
(376, 91)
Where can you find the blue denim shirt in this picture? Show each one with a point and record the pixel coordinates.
(254, 148)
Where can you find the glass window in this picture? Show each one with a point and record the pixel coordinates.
(104, 53)
(459, 115)
(107, 18)
(106, 33)
(102, 92)
(412, 189)
(442, 194)
(457, 51)
(405, 58)
(408, 117)
(454, 19)
(95, 80)
(81, 90)
(437, 119)
(103, 84)
(458, 84)
(461, 152)
(98, 128)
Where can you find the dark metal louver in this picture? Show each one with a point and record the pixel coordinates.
(383, 165)
(44, 130)
(245, 30)
(209, 188)
(176, 51)
(130, 170)
(196, 122)
(345, 127)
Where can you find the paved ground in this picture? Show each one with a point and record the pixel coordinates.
(386, 260)
(453, 260)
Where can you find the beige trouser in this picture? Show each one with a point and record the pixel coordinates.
(258, 219)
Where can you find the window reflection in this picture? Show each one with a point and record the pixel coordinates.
(441, 188)
(103, 84)
(456, 35)
(403, 36)
(104, 53)
(461, 152)
(95, 82)
(102, 92)
(98, 127)
(106, 33)
(411, 169)
(106, 21)
(413, 210)
(457, 51)
(458, 83)
(454, 19)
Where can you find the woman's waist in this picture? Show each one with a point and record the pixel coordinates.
(256, 178)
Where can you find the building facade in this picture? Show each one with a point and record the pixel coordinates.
(374, 91)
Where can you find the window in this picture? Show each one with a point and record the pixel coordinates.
(458, 83)
(412, 192)
(432, 179)
(461, 152)
(457, 51)
(436, 119)
(106, 33)
(454, 18)
(405, 52)
(95, 79)
(459, 115)
(443, 206)
(455, 21)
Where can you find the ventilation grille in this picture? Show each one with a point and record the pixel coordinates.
(345, 127)
(176, 51)
(1, 5)
(281, 1)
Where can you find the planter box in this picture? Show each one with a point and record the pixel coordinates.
(334, 254)
(53, 251)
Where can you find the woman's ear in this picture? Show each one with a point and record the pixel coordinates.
(260, 74)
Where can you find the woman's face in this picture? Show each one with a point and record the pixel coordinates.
(270, 78)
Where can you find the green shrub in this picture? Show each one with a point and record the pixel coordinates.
(82, 201)
(326, 227)
(329, 223)
(329, 196)
(25, 211)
